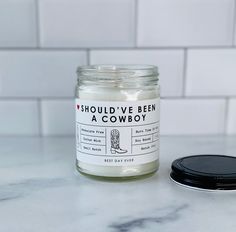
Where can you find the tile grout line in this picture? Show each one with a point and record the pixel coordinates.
(226, 115)
(56, 49)
(40, 121)
(194, 98)
(234, 23)
(136, 24)
(15, 98)
(185, 63)
(37, 22)
(113, 48)
(88, 56)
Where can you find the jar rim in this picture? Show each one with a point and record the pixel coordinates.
(118, 75)
(142, 69)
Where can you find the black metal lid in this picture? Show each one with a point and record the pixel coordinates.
(205, 171)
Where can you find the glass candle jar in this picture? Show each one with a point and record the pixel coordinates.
(117, 120)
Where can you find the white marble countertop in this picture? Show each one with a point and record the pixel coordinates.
(40, 192)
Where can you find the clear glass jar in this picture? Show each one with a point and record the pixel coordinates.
(117, 120)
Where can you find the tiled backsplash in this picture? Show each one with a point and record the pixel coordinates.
(193, 42)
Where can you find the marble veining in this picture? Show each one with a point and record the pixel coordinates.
(21, 189)
(39, 191)
(171, 214)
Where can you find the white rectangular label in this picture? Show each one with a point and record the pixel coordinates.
(117, 133)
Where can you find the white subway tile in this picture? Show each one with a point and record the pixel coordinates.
(17, 23)
(39, 73)
(211, 72)
(185, 22)
(231, 120)
(178, 116)
(19, 117)
(58, 117)
(169, 62)
(87, 23)
(192, 116)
